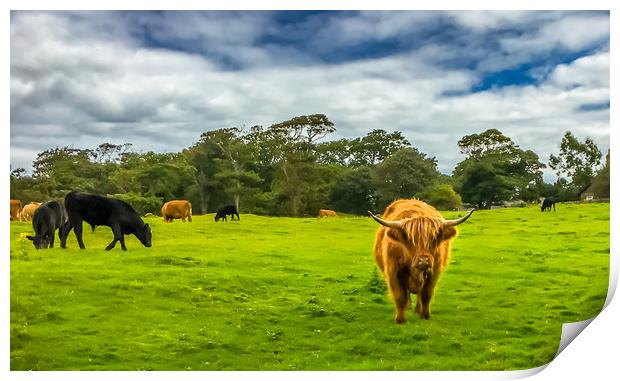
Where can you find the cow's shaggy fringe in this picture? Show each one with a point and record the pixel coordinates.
(423, 232)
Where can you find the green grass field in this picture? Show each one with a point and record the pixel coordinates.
(303, 294)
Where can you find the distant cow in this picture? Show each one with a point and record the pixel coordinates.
(47, 218)
(228, 210)
(100, 210)
(177, 209)
(326, 213)
(16, 208)
(28, 211)
(547, 204)
(412, 249)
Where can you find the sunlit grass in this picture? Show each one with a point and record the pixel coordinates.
(303, 294)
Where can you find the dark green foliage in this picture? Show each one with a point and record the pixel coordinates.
(496, 170)
(142, 204)
(442, 197)
(600, 184)
(375, 147)
(576, 160)
(284, 170)
(403, 175)
(354, 192)
(484, 184)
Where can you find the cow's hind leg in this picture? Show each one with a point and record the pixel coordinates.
(118, 236)
(63, 233)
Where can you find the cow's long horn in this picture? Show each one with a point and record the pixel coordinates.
(458, 220)
(389, 224)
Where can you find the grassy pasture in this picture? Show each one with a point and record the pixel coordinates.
(303, 294)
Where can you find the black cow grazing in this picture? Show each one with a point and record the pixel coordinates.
(225, 211)
(547, 204)
(100, 210)
(46, 219)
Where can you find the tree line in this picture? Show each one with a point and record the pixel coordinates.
(286, 170)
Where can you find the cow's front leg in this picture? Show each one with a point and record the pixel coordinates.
(122, 239)
(399, 293)
(111, 245)
(423, 304)
(77, 229)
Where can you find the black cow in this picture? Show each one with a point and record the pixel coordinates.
(547, 204)
(225, 211)
(100, 210)
(46, 219)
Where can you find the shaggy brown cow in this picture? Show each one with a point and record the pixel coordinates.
(412, 248)
(16, 209)
(177, 209)
(326, 213)
(28, 211)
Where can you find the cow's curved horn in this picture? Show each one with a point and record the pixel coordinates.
(389, 224)
(458, 220)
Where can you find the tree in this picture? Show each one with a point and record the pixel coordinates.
(477, 145)
(226, 162)
(485, 184)
(402, 175)
(305, 128)
(442, 197)
(109, 153)
(59, 171)
(514, 171)
(354, 192)
(299, 180)
(600, 184)
(375, 147)
(334, 152)
(23, 187)
(576, 160)
(234, 175)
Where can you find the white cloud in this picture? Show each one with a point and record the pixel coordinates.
(75, 91)
(590, 72)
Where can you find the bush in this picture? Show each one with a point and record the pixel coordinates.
(442, 197)
(142, 204)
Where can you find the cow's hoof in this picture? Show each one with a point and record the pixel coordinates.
(400, 320)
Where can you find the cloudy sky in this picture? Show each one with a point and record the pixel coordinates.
(158, 79)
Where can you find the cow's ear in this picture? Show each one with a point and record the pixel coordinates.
(30, 237)
(146, 226)
(447, 232)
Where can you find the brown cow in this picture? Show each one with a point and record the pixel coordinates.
(412, 249)
(326, 213)
(16, 209)
(177, 209)
(28, 211)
